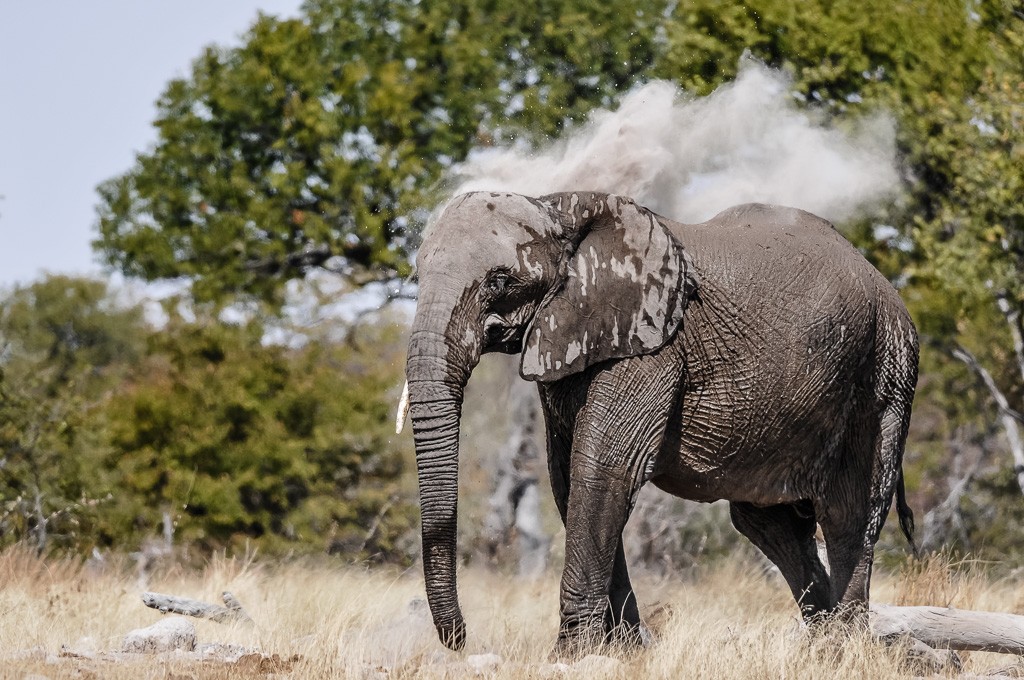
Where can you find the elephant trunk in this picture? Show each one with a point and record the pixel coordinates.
(437, 372)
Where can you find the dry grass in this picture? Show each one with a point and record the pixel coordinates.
(730, 623)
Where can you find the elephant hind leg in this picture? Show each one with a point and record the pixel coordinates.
(859, 501)
(785, 534)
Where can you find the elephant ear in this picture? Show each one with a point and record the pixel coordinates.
(625, 288)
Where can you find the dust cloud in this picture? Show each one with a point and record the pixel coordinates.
(688, 158)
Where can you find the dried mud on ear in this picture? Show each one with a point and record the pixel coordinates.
(624, 293)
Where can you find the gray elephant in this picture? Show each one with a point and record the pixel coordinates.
(756, 357)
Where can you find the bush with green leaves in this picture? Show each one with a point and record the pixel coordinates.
(107, 426)
(239, 441)
(64, 346)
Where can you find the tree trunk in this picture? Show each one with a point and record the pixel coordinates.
(514, 505)
(1016, 322)
(41, 521)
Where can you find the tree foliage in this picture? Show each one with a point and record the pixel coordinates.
(317, 142)
(974, 243)
(63, 343)
(108, 425)
(322, 142)
(239, 441)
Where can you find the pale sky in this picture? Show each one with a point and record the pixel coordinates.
(78, 82)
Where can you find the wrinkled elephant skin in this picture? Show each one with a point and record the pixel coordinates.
(756, 358)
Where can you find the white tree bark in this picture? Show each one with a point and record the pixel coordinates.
(1014, 320)
(1007, 416)
(514, 505)
(947, 628)
(233, 612)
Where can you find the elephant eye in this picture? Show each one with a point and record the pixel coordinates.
(498, 282)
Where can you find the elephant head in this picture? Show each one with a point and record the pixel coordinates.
(569, 280)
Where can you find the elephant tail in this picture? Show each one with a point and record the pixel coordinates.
(903, 511)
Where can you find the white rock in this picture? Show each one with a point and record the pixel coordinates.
(483, 663)
(85, 648)
(551, 670)
(227, 653)
(165, 635)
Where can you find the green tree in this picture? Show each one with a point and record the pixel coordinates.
(974, 243)
(235, 440)
(64, 342)
(319, 143)
(972, 247)
(322, 141)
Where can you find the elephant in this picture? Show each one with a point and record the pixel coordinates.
(756, 357)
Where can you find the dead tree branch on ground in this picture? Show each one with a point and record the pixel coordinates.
(947, 628)
(232, 613)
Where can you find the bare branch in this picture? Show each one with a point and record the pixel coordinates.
(233, 612)
(375, 524)
(301, 261)
(1007, 415)
(514, 507)
(1016, 322)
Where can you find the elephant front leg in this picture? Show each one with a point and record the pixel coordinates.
(622, 621)
(618, 426)
(598, 604)
(585, 614)
(597, 513)
(622, 624)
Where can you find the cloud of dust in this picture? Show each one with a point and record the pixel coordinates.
(689, 158)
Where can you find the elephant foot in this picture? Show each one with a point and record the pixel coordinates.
(853, 614)
(624, 639)
(569, 652)
(629, 637)
(833, 633)
(576, 643)
(842, 619)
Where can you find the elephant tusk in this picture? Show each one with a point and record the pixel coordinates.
(403, 409)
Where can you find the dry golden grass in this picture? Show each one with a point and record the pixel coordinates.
(732, 622)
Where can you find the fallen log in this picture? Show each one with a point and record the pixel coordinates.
(948, 628)
(232, 613)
